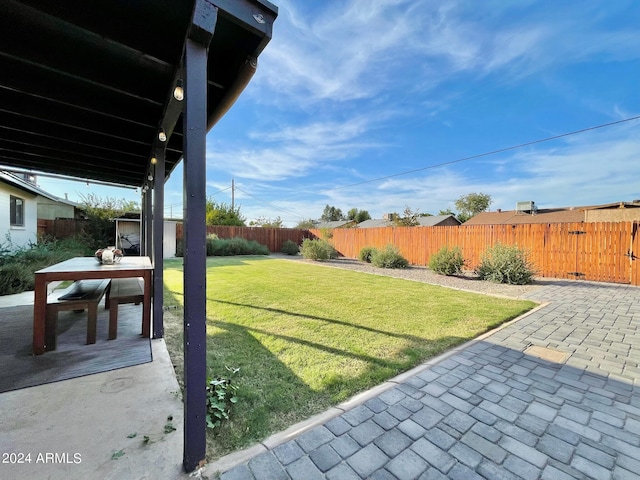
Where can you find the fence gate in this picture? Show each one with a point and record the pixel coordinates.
(578, 273)
(603, 252)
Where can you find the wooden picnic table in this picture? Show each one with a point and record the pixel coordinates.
(84, 268)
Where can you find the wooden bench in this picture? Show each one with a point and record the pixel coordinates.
(122, 290)
(83, 294)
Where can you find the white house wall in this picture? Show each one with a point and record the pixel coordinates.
(50, 210)
(19, 236)
(169, 240)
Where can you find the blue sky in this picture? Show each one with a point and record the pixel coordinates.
(350, 92)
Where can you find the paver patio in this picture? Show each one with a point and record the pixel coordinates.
(553, 395)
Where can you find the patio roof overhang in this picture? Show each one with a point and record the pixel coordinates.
(86, 86)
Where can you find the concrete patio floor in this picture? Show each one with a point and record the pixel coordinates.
(95, 426)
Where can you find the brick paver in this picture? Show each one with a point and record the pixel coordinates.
(493, 411)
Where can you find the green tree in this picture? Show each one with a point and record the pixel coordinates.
(306, 224)
(409, 218)
(448, 211)
(331, 214)
(223, 214)
(358, 215)
(471, 204)
(266, 222)
(99, 228)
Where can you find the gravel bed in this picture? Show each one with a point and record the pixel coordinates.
(467, 281)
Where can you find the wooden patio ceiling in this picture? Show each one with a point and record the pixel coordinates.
(86, 85)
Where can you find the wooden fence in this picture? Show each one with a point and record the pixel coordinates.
(273, 238)
(60, 228)
(603, 252)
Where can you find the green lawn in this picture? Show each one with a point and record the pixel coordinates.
(307, 337)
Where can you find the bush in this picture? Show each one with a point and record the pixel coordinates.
(18, 264)
(16, 278)
(318, 250)
(447, 261)
(365, 254)
(290, 248)
(506, 264)
(388, 257)
(224, 247)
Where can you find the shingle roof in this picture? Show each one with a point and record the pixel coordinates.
(334, 224)
(434, 220)
(543, 215)
(17, 182)
(430, 221)
(375, 223)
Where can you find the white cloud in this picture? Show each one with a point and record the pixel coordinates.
(295, 151)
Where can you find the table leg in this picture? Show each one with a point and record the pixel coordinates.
(39, 312)
(92, 323)
(146, 305)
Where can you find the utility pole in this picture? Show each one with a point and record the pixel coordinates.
(233, 194)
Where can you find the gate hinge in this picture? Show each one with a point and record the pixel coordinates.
(576, 232)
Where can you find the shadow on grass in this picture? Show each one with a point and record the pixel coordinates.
(322, 319)
(272, 395)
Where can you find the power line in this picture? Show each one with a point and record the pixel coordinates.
(486, 154)
(267, 204)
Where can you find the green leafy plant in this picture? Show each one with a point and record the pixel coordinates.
(326, 233)
(221, 396)
(117, 455)
(506, 264)
(388, 257)
(317, 249)
(365, 254)
(224, 247)
(447, 261)
(18, 263)
(290, 248)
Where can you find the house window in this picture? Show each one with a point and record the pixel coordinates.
(16, 214)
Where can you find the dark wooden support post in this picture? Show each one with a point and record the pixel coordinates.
(158, 248)
(147, 218)
(195, 254)
(143, 203)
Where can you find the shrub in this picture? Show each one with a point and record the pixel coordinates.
(290, 248)
(447, 261)
(388, 257)
(506, 264)
(224, 247)
(365, 254)
(317, 250)
(18, 263)
(16, 278)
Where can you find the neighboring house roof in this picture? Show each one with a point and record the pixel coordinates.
(633, 204)
(542, 215)
(430, 221)
(335, 224)
(17, 182)
(435, 220)
(551, 215)
(376, 223)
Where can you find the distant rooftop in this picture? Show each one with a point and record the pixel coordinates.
(543, 215)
